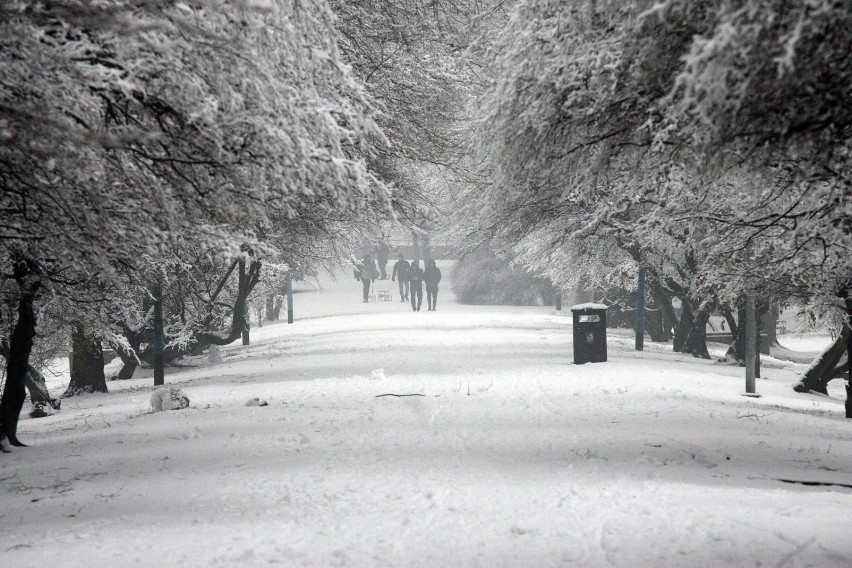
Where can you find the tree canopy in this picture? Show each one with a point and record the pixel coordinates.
(708, 131)
(129, 126)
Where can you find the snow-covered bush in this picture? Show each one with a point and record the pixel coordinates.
(168, 398)
(482, 278)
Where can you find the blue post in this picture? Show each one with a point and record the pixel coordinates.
(289, 299)
(640, 310)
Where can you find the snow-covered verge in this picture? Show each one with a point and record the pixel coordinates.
(512, 456)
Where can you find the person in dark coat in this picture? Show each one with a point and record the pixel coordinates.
(369, 273)
(383, 255)
(432, 276)
(400, 270)
(415, 276)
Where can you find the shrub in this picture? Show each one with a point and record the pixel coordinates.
(480, 277)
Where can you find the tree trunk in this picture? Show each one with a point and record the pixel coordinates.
(20, 346)
(731, 321)
(276, 309)
(128, 359)
(737, 349)
(248, 277)
(159, 339)
(654, 324)
(846, 294)
(617, 317)
(826, 367)
(34, 382)
(581, 294)
(128, 365)
(37, 387)
(271, 314)
(662, 319)
(687, 318)
(246, 324)
(734, 330)
(696, 341)
(740, 339)
(769, 323)
(758, 314)
(669, 318)
(87, 364)
(415, 244)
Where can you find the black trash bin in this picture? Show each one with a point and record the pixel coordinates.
(589, 333)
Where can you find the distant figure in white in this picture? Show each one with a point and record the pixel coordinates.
(415, 277)
(369, 272)
(432, 276)
(401, 270)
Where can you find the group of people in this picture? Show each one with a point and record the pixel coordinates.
(411, 279)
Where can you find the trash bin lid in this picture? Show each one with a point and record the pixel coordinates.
(589, 306)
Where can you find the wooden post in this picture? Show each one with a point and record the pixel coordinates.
(640, 310)
(289, 299)
(159, 334)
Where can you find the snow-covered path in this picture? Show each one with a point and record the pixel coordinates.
(513, 456)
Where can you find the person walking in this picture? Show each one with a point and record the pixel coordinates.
(432, 276)
(401, 270)
(369, 273)
(415, 276)
(383, 256)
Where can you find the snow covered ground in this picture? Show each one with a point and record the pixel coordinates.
(512, 456)
(807, 342)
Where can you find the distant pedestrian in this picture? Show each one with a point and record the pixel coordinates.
(383, 255)
(369, 273)
(401, 270)
(432, 276)
(415, 276)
